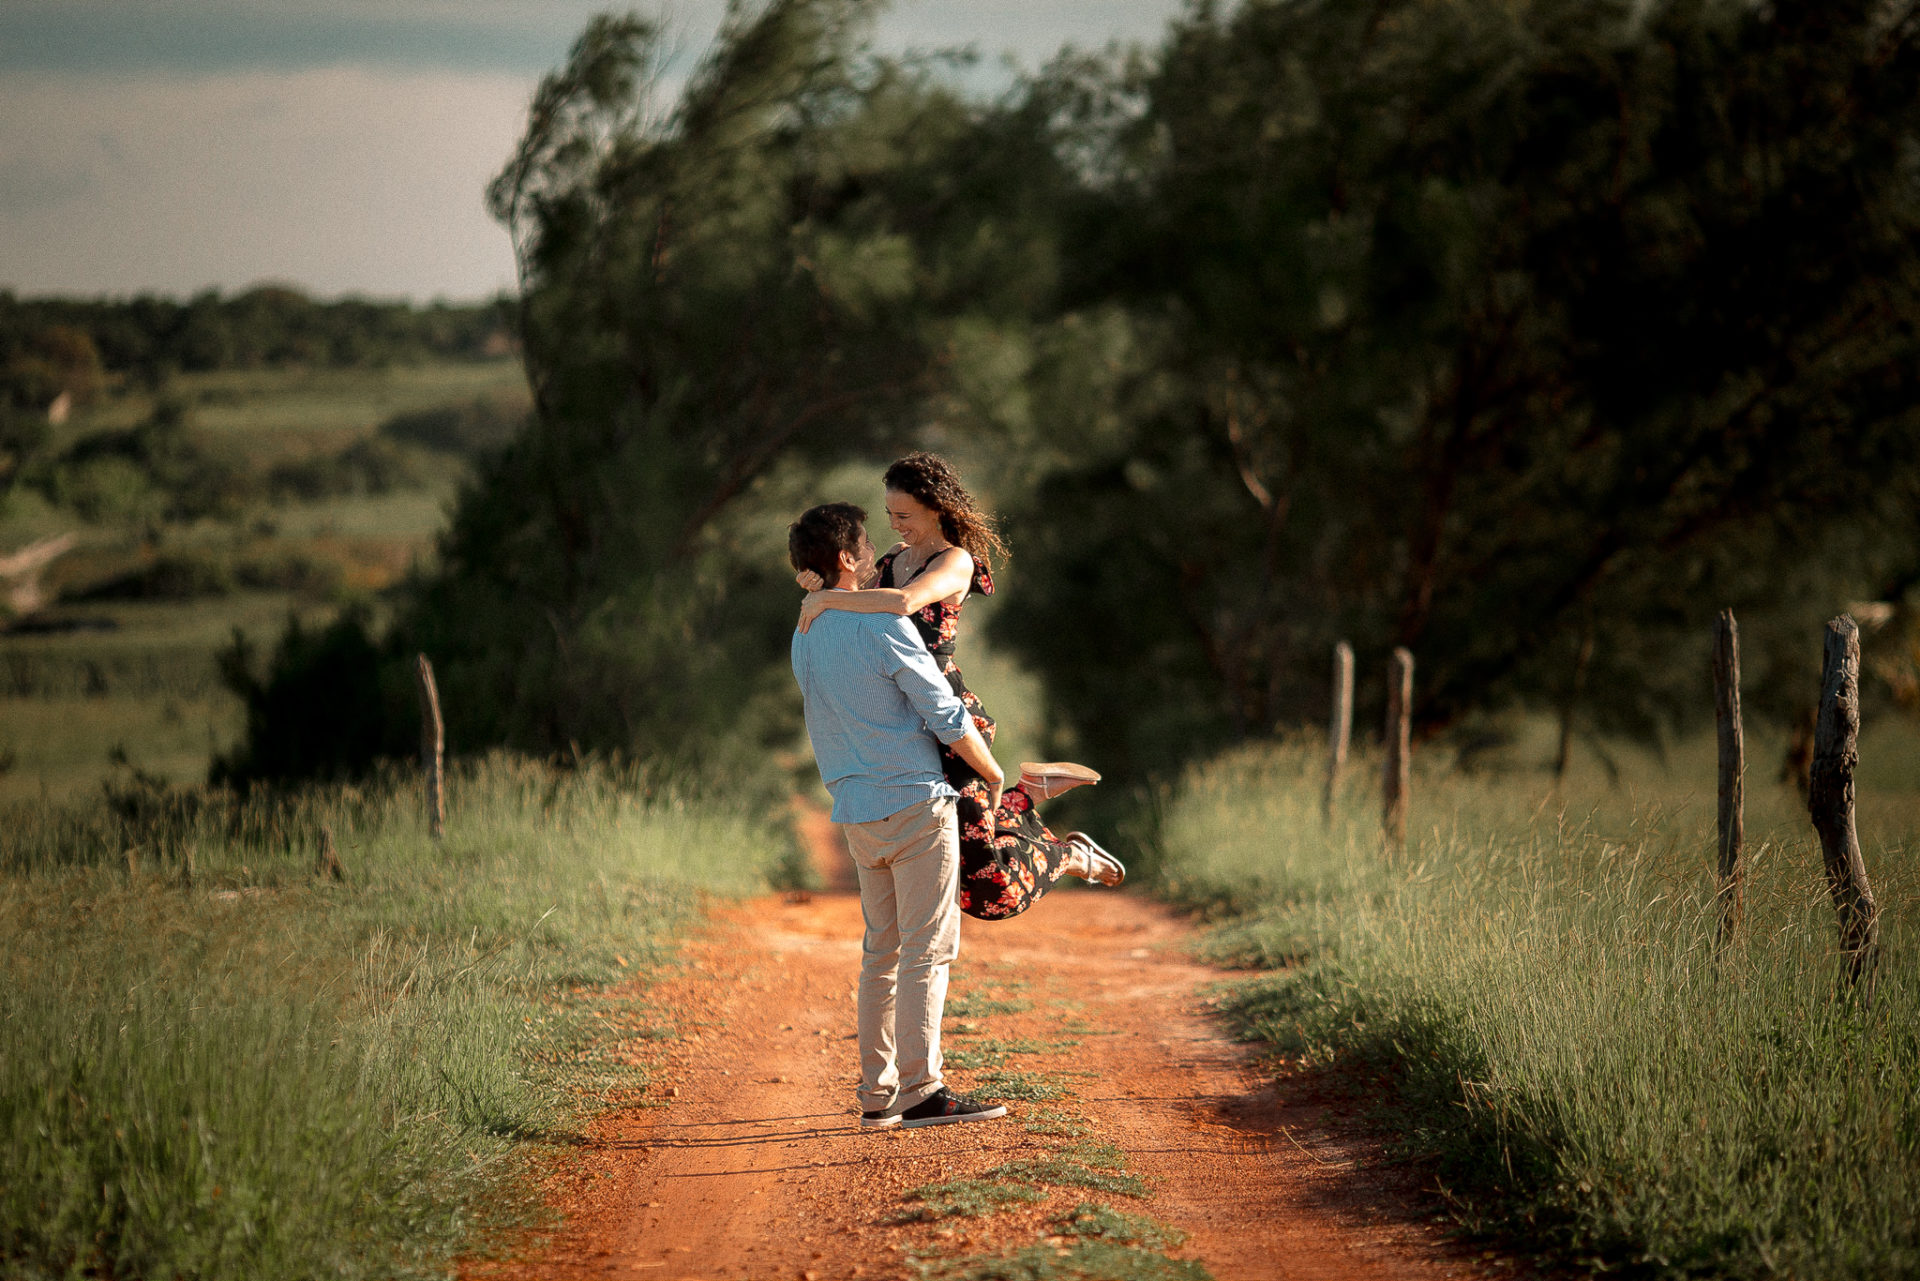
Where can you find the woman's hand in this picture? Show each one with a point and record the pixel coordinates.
(809, 582)
(813, 606)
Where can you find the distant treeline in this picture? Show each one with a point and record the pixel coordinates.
(150, 337)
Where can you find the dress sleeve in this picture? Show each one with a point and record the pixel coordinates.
(982, 577)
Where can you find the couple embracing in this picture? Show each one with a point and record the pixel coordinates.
(905, 751)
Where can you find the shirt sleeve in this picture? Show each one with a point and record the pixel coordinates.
(906, 660)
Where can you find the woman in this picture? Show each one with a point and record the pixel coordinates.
(1008, 859)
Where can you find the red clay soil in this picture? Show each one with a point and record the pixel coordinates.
(755, 1166)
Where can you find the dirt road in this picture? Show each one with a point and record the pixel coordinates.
(755, 1167)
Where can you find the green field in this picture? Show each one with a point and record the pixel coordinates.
(1533, 989)
(148, 687)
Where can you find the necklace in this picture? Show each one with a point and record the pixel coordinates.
(917, 565)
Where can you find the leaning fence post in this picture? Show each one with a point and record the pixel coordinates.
(1340, 727)
(329, 867)
(1836, 750)
(1396, 773)
(432, 749)
(1733, 764)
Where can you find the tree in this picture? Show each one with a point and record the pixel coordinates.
(719, 299)
(1498, 332)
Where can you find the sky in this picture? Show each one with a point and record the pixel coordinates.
(340, 146)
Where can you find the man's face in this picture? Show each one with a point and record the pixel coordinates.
(864, 565)
(862, 560)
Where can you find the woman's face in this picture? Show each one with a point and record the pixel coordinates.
(913, 520)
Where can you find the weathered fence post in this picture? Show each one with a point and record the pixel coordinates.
(330, 866)
(1340, 726)
(1733, 765)
(432, 749)
(1836, 750)
(1396, 772)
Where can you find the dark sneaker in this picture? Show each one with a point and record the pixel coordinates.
(878, 1120)
(944, 1107)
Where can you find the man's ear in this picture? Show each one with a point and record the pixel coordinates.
(849, 562)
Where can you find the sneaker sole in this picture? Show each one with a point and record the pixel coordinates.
(879, 1123)
(989, 1115)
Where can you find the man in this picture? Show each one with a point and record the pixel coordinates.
(872, 693)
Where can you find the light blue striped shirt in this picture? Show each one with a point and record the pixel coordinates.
(872, 692)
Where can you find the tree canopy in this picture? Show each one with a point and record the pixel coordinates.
(1525, 336)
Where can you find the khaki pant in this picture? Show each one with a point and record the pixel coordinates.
(909, 866)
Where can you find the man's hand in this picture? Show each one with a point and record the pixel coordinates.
(973, 750)
(812, 607)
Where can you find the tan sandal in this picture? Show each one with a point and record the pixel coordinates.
(1101, 866)
(1045, 781)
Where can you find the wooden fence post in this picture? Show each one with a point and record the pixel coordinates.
(330, 867)
(1733, 765)
(1836, 750)
(1396, 773)
(432, 749)
(1340, 727)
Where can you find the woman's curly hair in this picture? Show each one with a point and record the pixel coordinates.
(932, 482)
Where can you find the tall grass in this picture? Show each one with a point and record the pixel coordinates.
(259, 1073)
(1534, 983)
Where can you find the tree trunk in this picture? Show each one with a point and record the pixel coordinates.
(1836, 751)
(1581, 660)
(1396, 772)
(1733, 765)
(1340, 727)
(432, 749)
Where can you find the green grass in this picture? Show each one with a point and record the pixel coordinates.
(1052, 1121)
(966, 1198)
(1081, 1261)
(1029, 1087)
(219, 1066)
(974, 1006)
(1534, 990)
(993, 1051)
(1091, 1219)
(1100, 1167)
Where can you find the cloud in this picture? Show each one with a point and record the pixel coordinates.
(342, 179)
(28, 183)
(210, 36)
(171, 145)
(523, 36)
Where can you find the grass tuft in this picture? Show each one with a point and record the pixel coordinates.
(1052, 1121)
(1100, 1167)
(1081, 1261)
(1030, 1087)
(965, 1198)
(1091, 1219)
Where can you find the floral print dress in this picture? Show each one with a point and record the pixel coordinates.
(1008, 859)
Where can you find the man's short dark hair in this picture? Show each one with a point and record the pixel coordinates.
(816, 540)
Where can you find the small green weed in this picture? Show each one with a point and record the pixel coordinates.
(1054, 1122)
(1091, 1219)
(974, 1006)
(1084, 1261)
(1100, 1167)
(993, 1051)
(1029, 1087)
(965, 1198)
